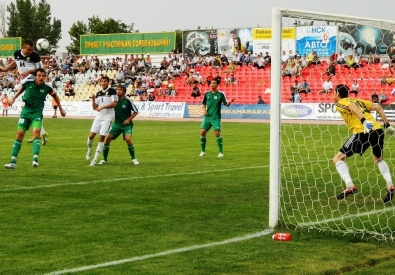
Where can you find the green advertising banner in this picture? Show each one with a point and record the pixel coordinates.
(127, 43)
(9, 45)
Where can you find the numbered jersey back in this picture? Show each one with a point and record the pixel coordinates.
(27, 63)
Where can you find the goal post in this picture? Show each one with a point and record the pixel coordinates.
(303, 181)
(275, 119)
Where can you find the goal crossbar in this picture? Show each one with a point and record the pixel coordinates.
(338, 19)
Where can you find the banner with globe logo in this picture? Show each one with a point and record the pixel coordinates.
(365, 39)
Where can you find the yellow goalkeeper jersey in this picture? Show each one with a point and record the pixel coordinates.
(352, 121)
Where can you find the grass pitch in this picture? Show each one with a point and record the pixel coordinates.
(66, 215)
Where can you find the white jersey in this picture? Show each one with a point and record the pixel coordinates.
(27, 63)
(105, 97)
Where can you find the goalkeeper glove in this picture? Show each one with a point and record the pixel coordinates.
(389, 130)
(367, 125)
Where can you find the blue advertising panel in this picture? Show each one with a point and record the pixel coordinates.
(322, 40)
(249, 111)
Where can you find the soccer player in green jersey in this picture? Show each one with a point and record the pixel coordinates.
(27, 61)
(36, 91)
(211, 104)
(125, 111)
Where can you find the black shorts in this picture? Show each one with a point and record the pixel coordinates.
(359, 143)
(55, 107)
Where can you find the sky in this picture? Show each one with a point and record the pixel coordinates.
(160, 15)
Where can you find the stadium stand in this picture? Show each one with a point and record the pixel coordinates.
(250, 83)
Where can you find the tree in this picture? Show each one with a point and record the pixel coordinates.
(3, 17)
(31, 20)
(178, 40)
(95, 26)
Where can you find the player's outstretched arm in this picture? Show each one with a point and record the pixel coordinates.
(25, 74)
(389, 130)
(230, 102)
(9, 67)
(57, 100)
(21, 90)
(356, 110)
(108, 106)
(367, 125)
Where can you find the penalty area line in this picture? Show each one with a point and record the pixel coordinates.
(164, 253)
(130, 178)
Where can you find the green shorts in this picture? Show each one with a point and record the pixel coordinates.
(30, 118)
(117, 129)
(211, 122)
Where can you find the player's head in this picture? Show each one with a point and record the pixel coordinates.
(341, 91)
(121, 91)
(104, 82)
(40, 76)
(27, 47)
(214, 84)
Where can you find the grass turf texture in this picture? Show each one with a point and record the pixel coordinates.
(66, 215)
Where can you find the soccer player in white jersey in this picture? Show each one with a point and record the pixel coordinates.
(103, 102)
(28, 62)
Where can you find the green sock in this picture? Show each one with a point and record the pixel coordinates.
(15, 150)
(219, 143)
(131, 151)
(36, 148)
(106, 149)
(203, 143)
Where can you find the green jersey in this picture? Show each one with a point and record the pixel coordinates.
(124, 109)
(35, 95)
(213, 102)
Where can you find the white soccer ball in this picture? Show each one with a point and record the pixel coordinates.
(42, 44)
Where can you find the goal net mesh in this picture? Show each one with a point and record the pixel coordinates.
(309, 180)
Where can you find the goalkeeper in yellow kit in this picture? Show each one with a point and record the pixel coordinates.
(367, 132)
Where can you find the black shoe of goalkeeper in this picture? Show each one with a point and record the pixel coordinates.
(389, 196)
(346, 192)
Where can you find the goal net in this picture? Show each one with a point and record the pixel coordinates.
(306, 135)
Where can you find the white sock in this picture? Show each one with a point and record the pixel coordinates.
(42, 131)
(89, 143)
(99, 148)
(385, 171)
(342, 169)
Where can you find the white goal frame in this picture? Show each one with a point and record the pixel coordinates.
(275, 110)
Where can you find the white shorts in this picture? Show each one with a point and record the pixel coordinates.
(5, 108)
(101, 127)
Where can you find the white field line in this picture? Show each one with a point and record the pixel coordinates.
(130, 178)
(346, 217)
(164, 253)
